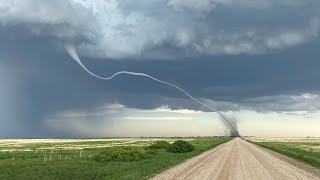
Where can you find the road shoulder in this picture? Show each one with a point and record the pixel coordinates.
(305, 167)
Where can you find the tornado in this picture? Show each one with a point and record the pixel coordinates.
(231, 125)
(234, 123)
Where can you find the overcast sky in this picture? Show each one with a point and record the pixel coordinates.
(257, 61)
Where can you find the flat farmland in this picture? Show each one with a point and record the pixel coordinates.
(306, 149)
(75, 158)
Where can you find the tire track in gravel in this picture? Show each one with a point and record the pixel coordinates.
(239, 159)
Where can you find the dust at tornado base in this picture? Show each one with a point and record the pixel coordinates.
(238, 159)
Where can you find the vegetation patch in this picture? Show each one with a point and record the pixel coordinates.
(68, 160)
(294, 150)
(123, 154)
(159, 145)
(151, 151)
(180, 146)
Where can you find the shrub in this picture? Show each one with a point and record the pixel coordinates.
(123, 154)
(180, 146)
(151, 151)
(159, 145)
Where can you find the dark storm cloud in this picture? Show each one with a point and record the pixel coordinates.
(261, 54)
(151, 30)
(51, 82)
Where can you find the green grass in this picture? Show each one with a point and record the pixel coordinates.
(159, 145)
(294, 150)
(67, 164)
(180, 146)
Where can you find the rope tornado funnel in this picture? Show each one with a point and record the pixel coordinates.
(73, 53)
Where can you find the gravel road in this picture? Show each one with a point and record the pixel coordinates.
(239, 159)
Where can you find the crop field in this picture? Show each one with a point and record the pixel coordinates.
(83, 158)
(302, 149)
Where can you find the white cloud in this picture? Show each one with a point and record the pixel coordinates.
(162, 118)
(63, 19)
(179, 111)
(124, 121)
(199, 7)
(115, 109)
(278, 124)
(164, 29)
(163, 121)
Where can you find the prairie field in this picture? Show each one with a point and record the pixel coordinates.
(304, 149)
(75, 158)
(51, 145)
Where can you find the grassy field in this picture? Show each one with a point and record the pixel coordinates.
(302, 149)
(73, 159)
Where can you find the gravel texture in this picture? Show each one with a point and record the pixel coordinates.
(239, 159)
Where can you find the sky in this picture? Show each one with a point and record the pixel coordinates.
(256, 61)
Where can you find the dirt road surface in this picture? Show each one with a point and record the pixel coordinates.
(239, 159)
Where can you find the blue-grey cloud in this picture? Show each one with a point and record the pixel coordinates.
(258, 56)
(167, 29)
